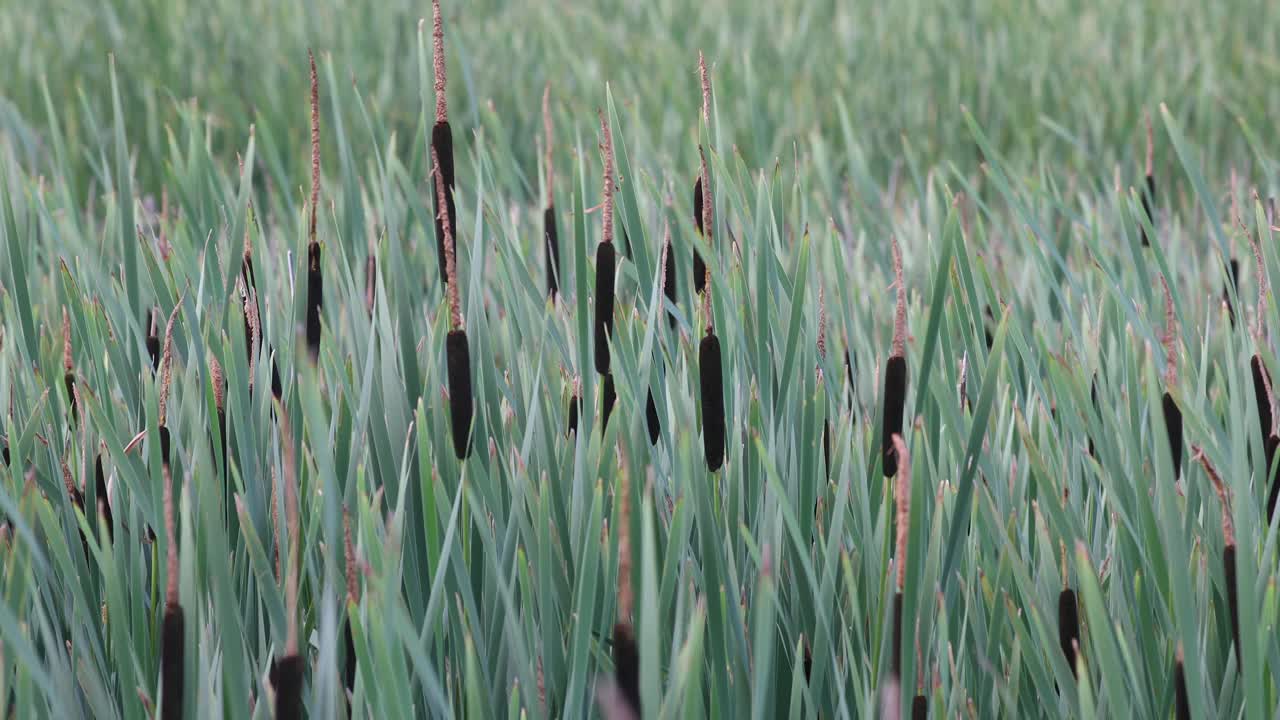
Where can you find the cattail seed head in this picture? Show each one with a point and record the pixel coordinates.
(1068, 626)
(699, 266)
(895, 394)
(286, 678)
(172, 663)
(1229, 543)
(919, 708)
(315, 147)
(1262, 394)
(437, 63)
(606, 235)
(552, 237)
(461, 407)
(446, 209)
(608, 398)
(606, 260)
(315, 300)
(69, 377)
(166, 362)
(668, 272)
(1173, 424)
(445, 221)
(1181, 705)
(711, 383)
(626, 662)
(652, 419)
(153, 341)
(1233, 603)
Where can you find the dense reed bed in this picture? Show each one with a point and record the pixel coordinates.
(460, 423)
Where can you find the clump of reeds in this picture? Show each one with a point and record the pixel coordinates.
(442, 148)
(315, 278)
(710, 362)
(457, 349)
(68, 366)
(286, 673)
(626, 657)
(353, 600)
(1172, 414)
(1181, 705)
(606, 260)
(902, 526)
(895, 372)
(1149, 197)
(1228, 546)
(173, 639)
(652, 420)
(550, 234)
(1068, 619)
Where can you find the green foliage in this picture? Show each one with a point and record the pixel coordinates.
(488, 586)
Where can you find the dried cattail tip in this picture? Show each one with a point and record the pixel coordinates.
(711, 382)
(461, 402)
(626, 663)
(606, 235)
(699, 266)
(1181, 705)
(895, 396)
(1068, 626)
(606, 264)
(315, 146)
(315, 300)
(608, 398)
(822, 323)
(919, 708)
(286, 678)
(172, 663)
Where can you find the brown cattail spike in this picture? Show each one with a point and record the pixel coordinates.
(606, 261)
(1181, 705)
(166, 363)
(437, 62)
(170, 529)
(292, 529)
(706, 89)
(1229, 544)
(315, 279)
(69, 377)
(822, 323)
(900, 310)
(450, 266)
(442, 148)
(706, 228)
(902, 505)
(172, 651)
(353, 598)
(607, 148)
(1068, 626)
(1220, 488)
(668, 272)
(315, 146)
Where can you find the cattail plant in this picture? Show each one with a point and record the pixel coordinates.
(457, 349)
(315, 278)
(69, 376)
(606, 260)
(1181, 706)
(626, 657)
(1172, 414)
(353, 601)
(219, 408)
(710, 362)
(895, 372)
(1068, 618)
(1228, 545)
(166, 382)
(442, 148)
(173, 640)
(919, 708)
(902, 526)
(286, 673)
(701, 188)
(549, 232)
(1149, 197)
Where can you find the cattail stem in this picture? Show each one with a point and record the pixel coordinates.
(606, 261)
(1172, 414)
(699, 265)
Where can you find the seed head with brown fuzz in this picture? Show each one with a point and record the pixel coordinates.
(215, 376)
(902, 505)
(67, 363)
(706, 226)
(437, 62)
(900, 313)
(706, 89)
(822, 323)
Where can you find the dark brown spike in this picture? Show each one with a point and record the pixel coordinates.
(711, 382)
(919, 708)
(897, 632)
(552, 237)
(315, 300)
(1233, 603)
(1173, 424)
(669, 273)
(626, 663)
(606, 260)
(1272, 446)
(1228, 293)
(575, 405)
(1181, 706)
(286, 678)
(1093, 398)
(608, 399)
(442, 146)
(826, 446)
(895, 396)
(172, 663)
(100, 493)
(652, 419)
(1262, 398)
(461, 402)
(699, 267)
(1068, 626)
